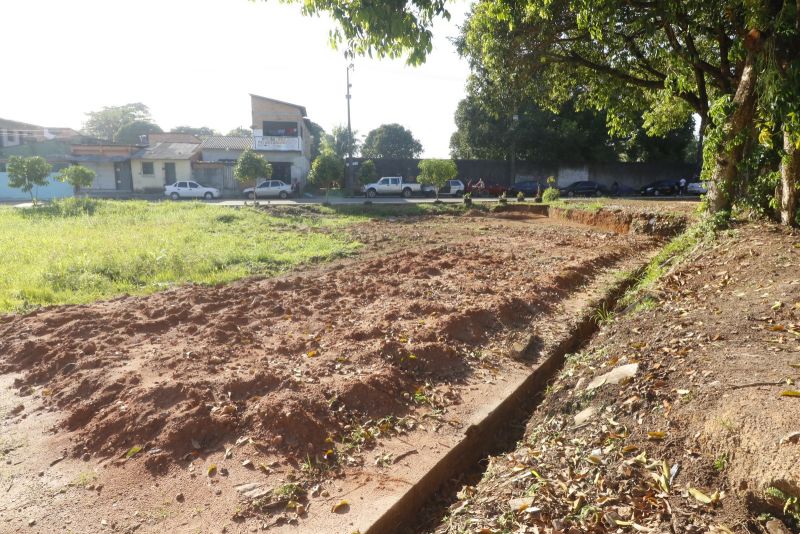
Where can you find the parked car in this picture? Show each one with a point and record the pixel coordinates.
(585, 188)
(188, 189)
(268, 188)
(529, 188)
(453, 187)
(487, 190)
(661, 187)
(696, 188)
(394, 185)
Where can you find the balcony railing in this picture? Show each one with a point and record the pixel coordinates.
(267, 142)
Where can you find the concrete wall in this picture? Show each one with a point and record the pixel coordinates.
(267, 110)
(499, 172)
(156, 181)
(54, 189)
(211, 154)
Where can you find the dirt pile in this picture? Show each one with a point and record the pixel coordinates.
(699, 434)
(297, 363)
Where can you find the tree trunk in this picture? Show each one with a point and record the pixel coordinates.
(701, 134)
(790, 169)
(720, 191)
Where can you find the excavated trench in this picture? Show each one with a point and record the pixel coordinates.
(424, 504)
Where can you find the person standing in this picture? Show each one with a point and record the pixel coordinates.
(682, 186)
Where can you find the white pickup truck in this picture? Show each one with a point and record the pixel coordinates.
(394, 185)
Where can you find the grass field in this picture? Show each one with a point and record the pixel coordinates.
(77, 251)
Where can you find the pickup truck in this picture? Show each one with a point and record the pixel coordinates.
(394, 185)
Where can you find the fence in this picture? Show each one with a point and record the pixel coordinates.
(53, 189)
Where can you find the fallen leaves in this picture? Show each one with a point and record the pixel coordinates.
(341, 507)
(699, 496)
(790, 393)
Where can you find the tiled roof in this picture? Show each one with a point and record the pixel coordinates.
(227, 142)
(154, 138)
(167, 151)
(298, 106)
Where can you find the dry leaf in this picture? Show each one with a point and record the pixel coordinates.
(341, 507)
(790, 393)
(656, 436)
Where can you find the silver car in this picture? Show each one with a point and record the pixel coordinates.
(696, 188)
(268, 188)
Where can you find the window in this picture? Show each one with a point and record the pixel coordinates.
(395, 181)
(147, 168)
(181, 184)
(193, 185)
(2, 167)
(279, 129)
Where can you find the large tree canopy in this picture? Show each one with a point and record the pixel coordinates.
(391, 141)
(732, 62)
(106, 123)
(571, 136)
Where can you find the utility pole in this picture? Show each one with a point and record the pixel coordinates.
(349, 167)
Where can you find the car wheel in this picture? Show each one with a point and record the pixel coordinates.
(284, 195)
(571, 194)
(208, 196)
(656, 193)
(251, 196)
(174, 196)
(372, 193)
(406, 193)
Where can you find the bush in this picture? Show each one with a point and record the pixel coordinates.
(550, 194)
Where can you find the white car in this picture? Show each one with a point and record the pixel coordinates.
(393, 185)
(189, 189)
(696, 188)
(269, 188)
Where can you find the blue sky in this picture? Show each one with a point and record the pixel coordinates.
(195, 61)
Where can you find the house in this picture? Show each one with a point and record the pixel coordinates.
(111, 164)
(281, 133)
(170, 137)
(162, 163)
(15, 133)
(218, 155)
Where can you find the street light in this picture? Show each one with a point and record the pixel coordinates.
(349, 177)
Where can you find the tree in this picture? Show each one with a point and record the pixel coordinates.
(367, 173)
(437, 172)
(391, 141)
(204, 131)
(77, 176)
(317, 133)
(341, 142)
(106, 122)
(240, 131)
(384, 29)
(27, 173)
(327, 169)
(251, 166)
(132, 132)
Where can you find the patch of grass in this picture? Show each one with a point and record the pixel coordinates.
(668, 256)
(289, 491)
(721, 462)
(84, 479)
(603, 315)
(80, 250)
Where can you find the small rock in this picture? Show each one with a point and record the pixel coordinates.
(17, 409)
(615, 376)
(41, 473)
(90, 348)
(248, 464)
(518, 505)
(31, 522)
(776, 526)
(217, 491)
(584, 415)
(179, 497)
(86, 457)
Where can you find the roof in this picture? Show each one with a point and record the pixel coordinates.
(16, 125)
(167, 151)
(96, 158)
(227, 142)
(170, 137)
(301, 108)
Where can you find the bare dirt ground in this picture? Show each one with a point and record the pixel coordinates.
(161, 413)
(697, 428)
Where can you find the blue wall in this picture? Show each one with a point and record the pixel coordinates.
(54, 189)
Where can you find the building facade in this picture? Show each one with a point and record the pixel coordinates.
(281, 133)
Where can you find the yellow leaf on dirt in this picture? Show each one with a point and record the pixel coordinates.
(790, 393)
(133, 451)
(702, 497)
(778, 305)
(341, 507)
(656, 436)
(795, 365)
(212, 470)
(777, 328)
(629, 448)
(312, 353)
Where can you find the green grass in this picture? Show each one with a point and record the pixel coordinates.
(77, 250)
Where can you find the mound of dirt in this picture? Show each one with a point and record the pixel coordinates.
(293, 363)
(700, 434)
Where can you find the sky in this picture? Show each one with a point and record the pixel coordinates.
(194, 62)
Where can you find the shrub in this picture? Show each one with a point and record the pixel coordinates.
(550, 194)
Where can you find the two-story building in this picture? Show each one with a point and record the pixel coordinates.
(281, 133)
